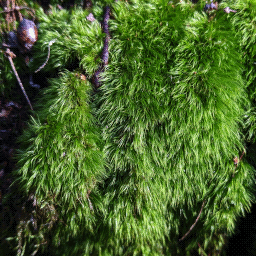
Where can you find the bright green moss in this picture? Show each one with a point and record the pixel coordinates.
(127, 169)
(171, 108)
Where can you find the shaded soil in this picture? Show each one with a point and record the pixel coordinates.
(243, 242)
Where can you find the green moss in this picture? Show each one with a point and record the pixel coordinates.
(125, 170)
(171, 105)
(61, 160)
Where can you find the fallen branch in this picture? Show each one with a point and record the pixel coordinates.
(194, 222)
(11, 55)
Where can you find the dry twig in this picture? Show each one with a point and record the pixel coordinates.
(48, 56)
(194, 222)
(17, 8)
(11, 55)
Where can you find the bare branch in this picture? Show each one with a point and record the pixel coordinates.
(11, 55)
(194, 222)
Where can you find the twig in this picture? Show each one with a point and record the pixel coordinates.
(11, 55)
(17, 8)
(48, 56)
(194, 222)
(105, 53)
(7, 18)
(241, 156)
(13, 15)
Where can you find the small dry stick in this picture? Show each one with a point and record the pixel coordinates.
(48, 56)
(13, 15)
(17, 8)
(7, 18)
(194, 222)
(11, 55)
(241, 156)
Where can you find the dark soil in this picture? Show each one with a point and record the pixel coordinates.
(243, 242)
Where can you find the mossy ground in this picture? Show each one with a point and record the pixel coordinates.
(124, 170)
